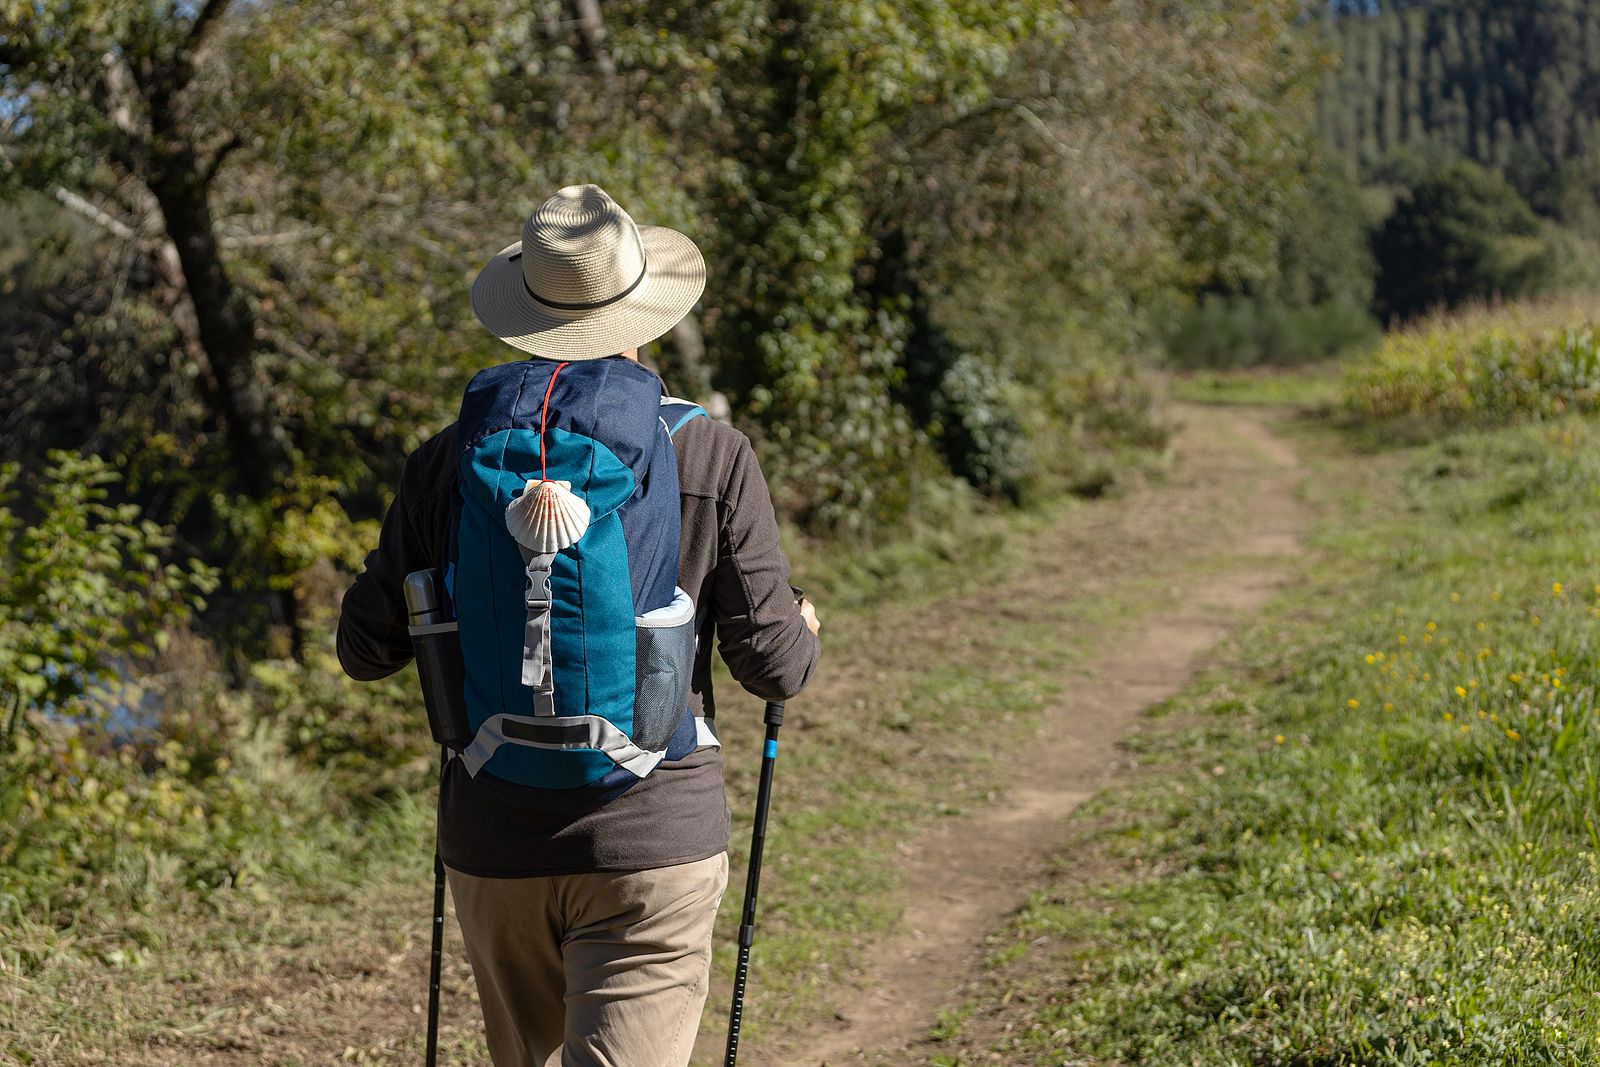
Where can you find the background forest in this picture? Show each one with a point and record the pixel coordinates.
(954, 248)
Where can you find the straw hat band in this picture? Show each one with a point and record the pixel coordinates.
(591, 305)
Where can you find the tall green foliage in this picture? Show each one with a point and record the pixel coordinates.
(801, 344)
(1047, 193)
(1458, 233)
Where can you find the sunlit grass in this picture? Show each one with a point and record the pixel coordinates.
(1374, 839)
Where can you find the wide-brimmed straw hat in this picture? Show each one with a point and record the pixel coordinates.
(586, 282)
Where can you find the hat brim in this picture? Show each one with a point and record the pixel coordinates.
(675, 276)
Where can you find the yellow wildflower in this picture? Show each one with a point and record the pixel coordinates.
(1352, 703)
(1461, 690)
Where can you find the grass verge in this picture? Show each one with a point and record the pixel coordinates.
(1369, 836)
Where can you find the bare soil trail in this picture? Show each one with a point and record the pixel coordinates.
(966, 876)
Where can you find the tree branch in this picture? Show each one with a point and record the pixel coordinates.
(220, 153)
(200, 33)
(120, 94)
(592, 33)
(1064, 150)
(204, 23)
(87, 209)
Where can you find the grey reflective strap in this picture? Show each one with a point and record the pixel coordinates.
(586, 731)
(536, 665)
(424, 629)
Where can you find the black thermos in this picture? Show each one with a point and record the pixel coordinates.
(436, 642)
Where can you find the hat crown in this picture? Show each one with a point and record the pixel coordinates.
(581, 250)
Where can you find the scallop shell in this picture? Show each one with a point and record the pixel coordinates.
(547, 516)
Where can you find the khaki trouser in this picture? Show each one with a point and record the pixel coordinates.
(592, 970)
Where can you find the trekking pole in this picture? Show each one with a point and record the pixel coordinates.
(435, 963)
(440, 670)
(758, 838)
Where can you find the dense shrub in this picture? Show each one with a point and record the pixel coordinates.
(1499, 368)
(978, 429)
(132, 765)
(85, 590)
(1241, 332)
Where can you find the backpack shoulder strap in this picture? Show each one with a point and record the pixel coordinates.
(676, 413)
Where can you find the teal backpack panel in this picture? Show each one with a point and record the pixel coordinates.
(592, 620)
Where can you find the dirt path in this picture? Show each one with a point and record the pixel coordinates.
(966, 876)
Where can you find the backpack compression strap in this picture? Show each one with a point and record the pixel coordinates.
(536, 662)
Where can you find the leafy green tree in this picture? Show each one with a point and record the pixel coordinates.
(110, 103)
(1458, 233)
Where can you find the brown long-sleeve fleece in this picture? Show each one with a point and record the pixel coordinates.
(730, 562)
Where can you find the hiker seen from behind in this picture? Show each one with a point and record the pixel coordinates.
(595, 539)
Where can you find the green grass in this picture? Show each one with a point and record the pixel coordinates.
(1314, 388)
(1369, 837)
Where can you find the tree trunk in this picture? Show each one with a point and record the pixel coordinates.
(222, 317)
(592, 33)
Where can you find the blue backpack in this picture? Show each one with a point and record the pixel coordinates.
(577, 643)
